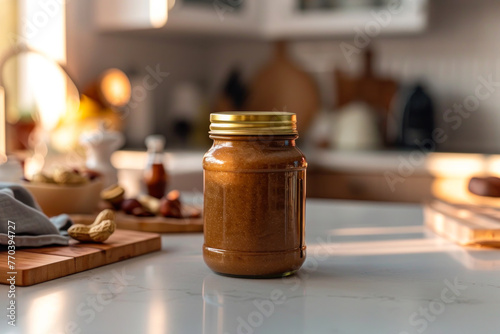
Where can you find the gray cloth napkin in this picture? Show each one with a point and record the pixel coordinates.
(32, 227)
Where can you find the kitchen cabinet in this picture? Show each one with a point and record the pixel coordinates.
(371, 176)
(397, 176)
(263, 19)
(303, 18)
(323, 183)
(130, 15)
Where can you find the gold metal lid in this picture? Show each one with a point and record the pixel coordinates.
(253, 123)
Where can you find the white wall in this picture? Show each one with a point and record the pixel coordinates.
(91, 52)
(460, 45)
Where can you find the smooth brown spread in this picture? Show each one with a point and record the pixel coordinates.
(254, 205)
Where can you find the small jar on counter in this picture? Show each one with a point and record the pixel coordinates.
(254, 195)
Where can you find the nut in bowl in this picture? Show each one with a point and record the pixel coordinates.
(58, 198)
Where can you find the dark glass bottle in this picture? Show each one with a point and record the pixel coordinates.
(155, 175)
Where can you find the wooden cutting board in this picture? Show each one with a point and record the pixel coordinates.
(150, 224)
(464, 224)
(36, 265)
(282, 85)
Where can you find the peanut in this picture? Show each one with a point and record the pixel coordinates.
(102, 231)
(99, 231)
(42, 178)
(113, 194)
(80, 232)
(151, 203)
(65, 176)
(104, 215)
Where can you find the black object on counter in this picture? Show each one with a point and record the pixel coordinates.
(417, 119)
(235, 90)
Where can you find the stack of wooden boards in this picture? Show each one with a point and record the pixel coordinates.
(464, 224)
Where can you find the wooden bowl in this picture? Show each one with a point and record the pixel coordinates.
(56, 199)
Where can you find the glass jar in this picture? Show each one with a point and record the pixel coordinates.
(254, 195)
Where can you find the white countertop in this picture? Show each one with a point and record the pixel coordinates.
(371, 268)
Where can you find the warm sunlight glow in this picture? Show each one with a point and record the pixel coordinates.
(45, 312)
(158, 313)
(158, 12)
(157, 316)
(377, 230)
(455, 190)
(493, 165)
(455, 165)
(42, 83)
(3, 151)
(389, 247)
(48, 83)
(35, 163)
(115, 87)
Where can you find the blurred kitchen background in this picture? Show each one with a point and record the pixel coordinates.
(397, 100)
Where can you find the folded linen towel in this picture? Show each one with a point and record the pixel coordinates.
(32, 227)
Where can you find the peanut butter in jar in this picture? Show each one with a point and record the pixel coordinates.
(254, 195)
